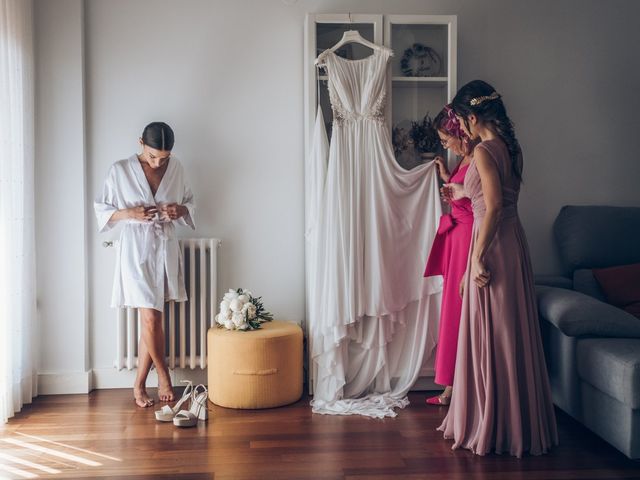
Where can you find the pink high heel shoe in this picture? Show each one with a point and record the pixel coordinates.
(441, 399)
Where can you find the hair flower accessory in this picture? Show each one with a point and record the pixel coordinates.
(452, 124)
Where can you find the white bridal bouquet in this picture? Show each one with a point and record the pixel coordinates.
(240, 310)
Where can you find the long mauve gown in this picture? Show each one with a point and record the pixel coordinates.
(501, 397)
(448, 257)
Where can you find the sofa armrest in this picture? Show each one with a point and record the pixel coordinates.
(554, 281)
(577, 315)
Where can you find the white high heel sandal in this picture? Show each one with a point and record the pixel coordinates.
(166, 413)
(197, 409)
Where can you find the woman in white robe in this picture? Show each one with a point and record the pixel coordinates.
(148, 194)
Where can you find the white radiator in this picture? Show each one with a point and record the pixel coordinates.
(185, 323)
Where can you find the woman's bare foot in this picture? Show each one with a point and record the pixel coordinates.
(165, 390)
(141, 397)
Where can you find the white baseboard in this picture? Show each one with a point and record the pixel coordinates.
(105, 378)
(64, 383)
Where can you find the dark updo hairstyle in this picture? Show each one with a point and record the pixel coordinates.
(158, 135)
(480, 99)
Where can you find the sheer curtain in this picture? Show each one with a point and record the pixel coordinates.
(17, 239)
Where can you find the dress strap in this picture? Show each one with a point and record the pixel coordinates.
(320, 60)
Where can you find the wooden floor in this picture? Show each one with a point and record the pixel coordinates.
(104, 435)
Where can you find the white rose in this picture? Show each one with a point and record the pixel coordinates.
(235, 305)
(243, 298)
(219, 319)
(230, 295)
(224, 307)
(228, 324)
(244, 326)
(238, 318)
(251, 311)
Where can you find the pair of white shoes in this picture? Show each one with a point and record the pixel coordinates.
(197, 409)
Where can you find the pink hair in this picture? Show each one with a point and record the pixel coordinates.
(451, 124)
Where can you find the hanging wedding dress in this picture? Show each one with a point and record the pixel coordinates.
(370, 225)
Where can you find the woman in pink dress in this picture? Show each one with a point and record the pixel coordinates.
(449, 252)
(501, 397)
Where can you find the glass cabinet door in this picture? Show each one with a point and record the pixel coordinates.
(323, 31)
(422, 81)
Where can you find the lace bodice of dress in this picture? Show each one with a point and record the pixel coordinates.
(357, 88)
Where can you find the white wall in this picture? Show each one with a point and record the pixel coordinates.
(60, 197)
(228, 76)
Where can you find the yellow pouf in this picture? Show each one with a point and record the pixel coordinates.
(256, 369)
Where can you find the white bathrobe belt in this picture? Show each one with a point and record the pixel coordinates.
(161, 230)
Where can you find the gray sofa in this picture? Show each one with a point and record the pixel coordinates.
(593, 348)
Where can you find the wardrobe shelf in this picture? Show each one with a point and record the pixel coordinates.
(442, 80)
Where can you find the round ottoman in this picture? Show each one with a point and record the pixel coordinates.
(255, 369)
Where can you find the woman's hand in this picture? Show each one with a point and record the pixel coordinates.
(479, 273)
(442, 169)
(173, 211)
(452, 191)
(142, 213)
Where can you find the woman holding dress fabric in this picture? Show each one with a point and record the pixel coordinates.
(501, 398)
(148, 193)
(449, 251)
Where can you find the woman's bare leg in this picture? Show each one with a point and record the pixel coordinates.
(140, 385)
(153, 337)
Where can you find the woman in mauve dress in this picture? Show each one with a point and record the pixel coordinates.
(450, 250)
(501, 398)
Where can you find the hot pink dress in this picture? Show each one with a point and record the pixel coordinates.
(501, 399)
(448, 257)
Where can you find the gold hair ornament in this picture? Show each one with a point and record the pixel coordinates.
(478, 100)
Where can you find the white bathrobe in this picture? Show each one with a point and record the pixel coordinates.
(149, 266)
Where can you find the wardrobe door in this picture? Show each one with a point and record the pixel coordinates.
(323, 31)
(422, 78)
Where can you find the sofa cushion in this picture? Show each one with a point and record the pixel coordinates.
(612, 365)
(553, 281)
(621, 286)
(597, 236)
(633, 309)
(585, 282)
(577, 314)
